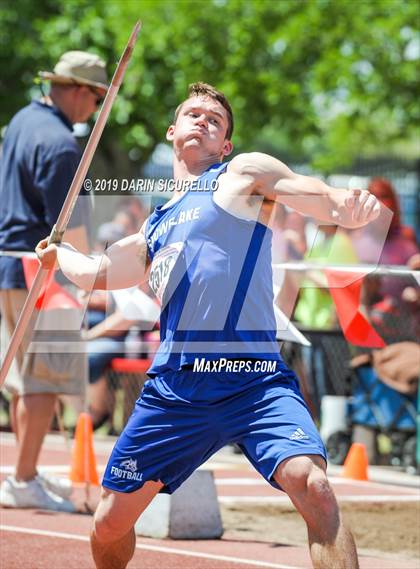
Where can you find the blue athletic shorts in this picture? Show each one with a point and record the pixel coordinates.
(169, 436)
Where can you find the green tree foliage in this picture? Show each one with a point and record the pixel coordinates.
(328, 79)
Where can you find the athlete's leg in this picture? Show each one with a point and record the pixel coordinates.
(162, 441)
(112, 539)
(34, 412)
(305, 481)
(283, 444)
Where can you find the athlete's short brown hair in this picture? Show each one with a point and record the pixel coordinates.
(205, 90)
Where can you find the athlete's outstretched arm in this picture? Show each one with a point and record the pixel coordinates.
(122, 265)
(310, 196)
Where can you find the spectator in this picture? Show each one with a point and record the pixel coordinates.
(126, 219)
(315, 308)
(135, 206)
(106, 341)
(107, 332)
(108, 233)
(40, 157)
(289, 241)
(288, 244)
(397, 364)
(384, 295)
(316, 311)
(399, 246)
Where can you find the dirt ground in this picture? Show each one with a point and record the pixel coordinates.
(391, 528)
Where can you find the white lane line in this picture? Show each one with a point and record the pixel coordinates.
(285, 500)
(244, 481)
(157, 548)
(218, 557)
(255, 500)
(44, 533)
(240, 482)
(220, 465)
(336, 480)
(407, 494)
(378, 498)
(63, 468)
(53, 468)
(59, 468)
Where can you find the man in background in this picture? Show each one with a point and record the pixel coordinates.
(39, 159)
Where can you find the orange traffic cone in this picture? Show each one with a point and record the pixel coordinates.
(83, 464)
(356, 463)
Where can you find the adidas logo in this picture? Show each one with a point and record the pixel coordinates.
(298, 435)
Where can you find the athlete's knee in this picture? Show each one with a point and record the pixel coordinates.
(108, 524)
(320, 493)
(293, 473)
(106, 528)
(320, 509)
(304, 476)
(305, 480)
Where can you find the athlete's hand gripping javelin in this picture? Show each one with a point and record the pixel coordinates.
(122, 265)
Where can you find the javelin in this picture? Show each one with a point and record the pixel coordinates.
(59, 228)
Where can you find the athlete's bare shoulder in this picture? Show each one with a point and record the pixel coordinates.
(235, 180)
(240, 187)
(248, 173)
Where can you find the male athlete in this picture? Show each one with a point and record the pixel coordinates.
(210, 259)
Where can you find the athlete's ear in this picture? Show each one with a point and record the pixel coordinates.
(170, 132)
(227, 148)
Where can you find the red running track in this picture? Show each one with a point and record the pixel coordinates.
(41, 540)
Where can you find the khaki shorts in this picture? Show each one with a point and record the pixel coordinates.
(55, 361)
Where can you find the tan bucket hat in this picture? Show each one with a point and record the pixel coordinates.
(78, 67)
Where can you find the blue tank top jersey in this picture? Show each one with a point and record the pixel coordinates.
(212, 273)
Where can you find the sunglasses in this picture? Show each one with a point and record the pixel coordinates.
(99, 97)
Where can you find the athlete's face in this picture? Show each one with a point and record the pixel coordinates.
(201, 126)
